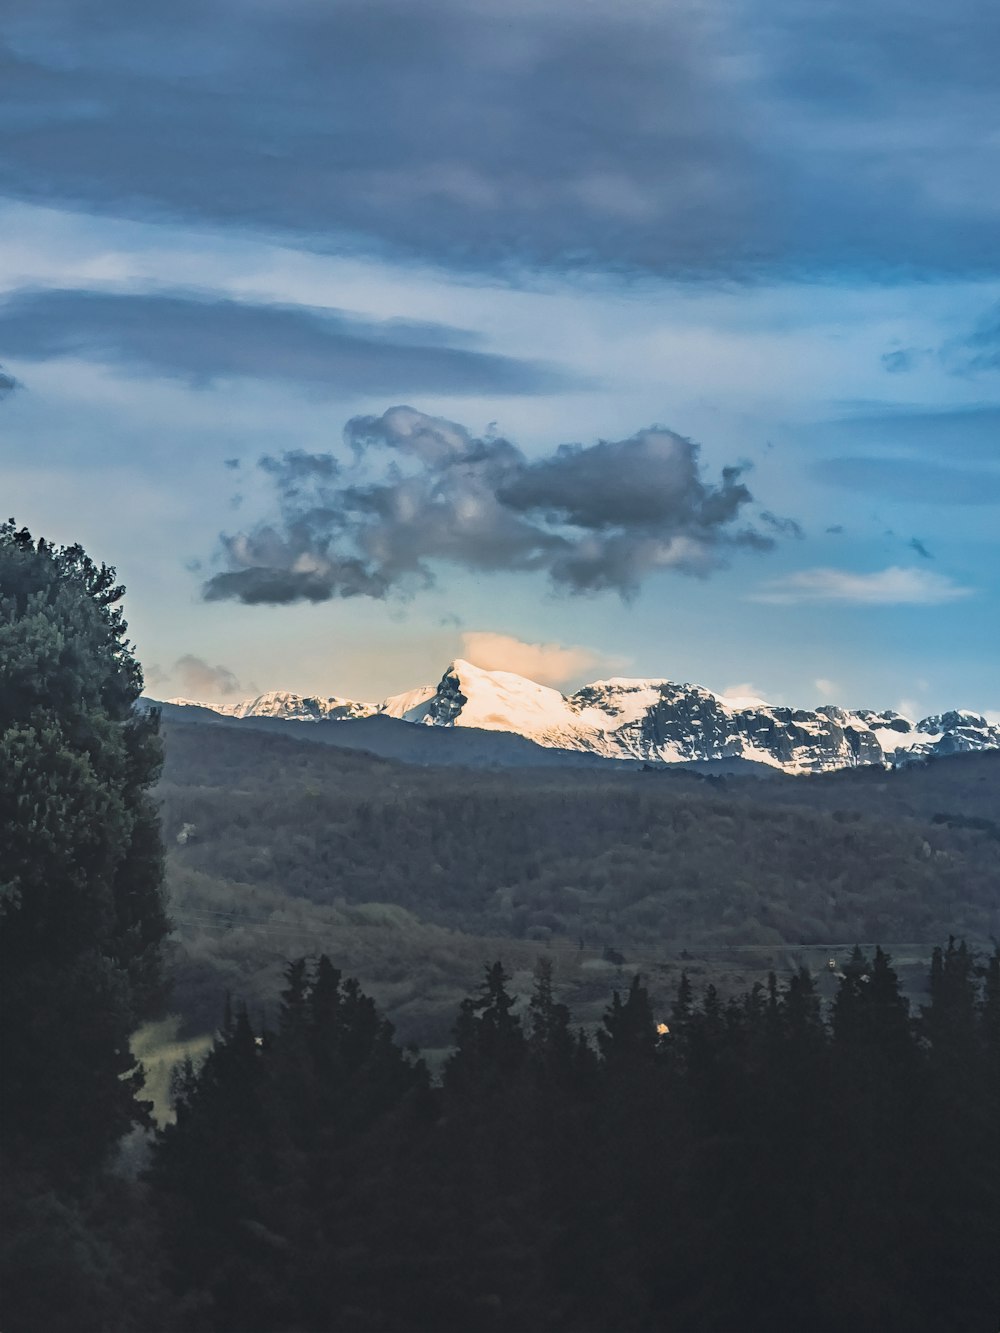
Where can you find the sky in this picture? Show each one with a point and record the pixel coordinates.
(575, 339)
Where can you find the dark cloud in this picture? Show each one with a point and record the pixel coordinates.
(7, 383)
(646, 480)
(201, 339)
(420, 491)
(915, 544)
(912, 480)
(197, 677)
(232, 463)
(725, 136)
(836, 529)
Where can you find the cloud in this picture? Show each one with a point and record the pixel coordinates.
(7, 383)
(421, 491)
(903, 360)
(969, 355)
(201, 338)
(911, 480)
(980, 350)
(547, 663)
(894, 586)
(783, 527)
(829, 689)
(984, 344)
(742, 691)
(964, 431)
(197, 678)
(900, 361)
(915, 544)
(674, 138)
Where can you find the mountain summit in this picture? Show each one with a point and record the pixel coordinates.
(656, 721)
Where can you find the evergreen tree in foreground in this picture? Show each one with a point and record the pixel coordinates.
(752, 1169)
(81, 911)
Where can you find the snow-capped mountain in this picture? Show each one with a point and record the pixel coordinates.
(289, 707)
(657, 721)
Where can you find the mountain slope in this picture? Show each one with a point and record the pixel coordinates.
(650, 720)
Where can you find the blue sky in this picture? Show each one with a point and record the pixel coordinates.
(577, 339)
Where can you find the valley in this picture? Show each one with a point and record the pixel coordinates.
(411, 876)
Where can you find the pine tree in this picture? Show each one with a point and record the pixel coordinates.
(549, 1038)
(489, 1042)
(989, 1021)
(629, 1034)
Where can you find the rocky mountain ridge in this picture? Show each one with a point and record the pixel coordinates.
(649, 720)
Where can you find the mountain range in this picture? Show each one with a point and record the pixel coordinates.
(646, 720)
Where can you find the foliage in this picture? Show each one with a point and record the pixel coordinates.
(749, 1164)
(81, 916)
(250, 1174)
(81, 926)
(292, 841)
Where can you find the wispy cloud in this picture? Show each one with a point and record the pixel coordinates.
(201, 338)
(980, 350)
(895, 586)
(968, 355)
(742, 690)
(983, 344)
(547, 663)
(965, 430)
(912, 480)
(901, 360)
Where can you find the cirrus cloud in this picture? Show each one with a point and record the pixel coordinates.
(895, 586)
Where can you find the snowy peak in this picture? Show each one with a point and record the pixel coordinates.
(413, 706)
(469, 696)
(652, 720)
(289, 707)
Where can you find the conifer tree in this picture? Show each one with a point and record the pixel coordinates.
(629, 1034)
(549, 1037)
(489, 1042)
(989, 1017)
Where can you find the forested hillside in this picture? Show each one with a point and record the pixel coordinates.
(410, 874)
